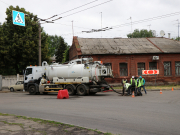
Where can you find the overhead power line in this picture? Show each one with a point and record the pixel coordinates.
(70, 10)
(135, 22)
(149, 19)
(71, 25)
(87, 8)
(5, 3)
(77, 7)
(77, 11)
(72, 13)
(144, 20)
(97, 30)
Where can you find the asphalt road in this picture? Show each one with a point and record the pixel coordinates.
(154, 113)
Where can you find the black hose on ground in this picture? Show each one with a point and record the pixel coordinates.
(112, 88)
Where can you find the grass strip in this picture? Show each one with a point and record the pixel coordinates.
(19, 124)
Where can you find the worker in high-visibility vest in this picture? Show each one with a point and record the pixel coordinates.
(133, 83)
(124, 81)
(138, 87)
(128, 88)
(142, 80)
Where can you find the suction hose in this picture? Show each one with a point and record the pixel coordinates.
(112, 88)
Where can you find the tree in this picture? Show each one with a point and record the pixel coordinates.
(44, 47)
(54, 42)
(19, 45)
(62, 46)
(140, 34)
(177, 38)
(66, 55)
(5, 58)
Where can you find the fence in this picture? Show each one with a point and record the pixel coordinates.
(8, 80)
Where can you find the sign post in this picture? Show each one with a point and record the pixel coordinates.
(18, 18)
(150, 72)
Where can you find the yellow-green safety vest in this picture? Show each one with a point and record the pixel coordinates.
(139, 83)
(135, 81)
(142, 81)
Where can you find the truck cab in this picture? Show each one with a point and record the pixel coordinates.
(32, 73)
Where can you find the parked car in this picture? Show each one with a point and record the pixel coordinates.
(18, 86)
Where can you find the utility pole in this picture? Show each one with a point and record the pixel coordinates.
(131, 25)
(39, 44)
(101, 24)
(178, 29)
(72, 29)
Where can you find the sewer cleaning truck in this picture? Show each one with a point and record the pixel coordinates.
(80, 76)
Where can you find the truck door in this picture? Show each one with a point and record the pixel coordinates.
(28, 75)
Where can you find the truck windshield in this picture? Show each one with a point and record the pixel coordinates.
(28, 71)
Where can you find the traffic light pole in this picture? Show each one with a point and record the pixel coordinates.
(39, 44)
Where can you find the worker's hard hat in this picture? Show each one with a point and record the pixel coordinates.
(132, 76)
(140, 77)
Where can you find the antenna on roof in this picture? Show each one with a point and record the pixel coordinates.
(154, 33)
(162, 33)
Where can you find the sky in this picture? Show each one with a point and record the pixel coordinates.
(85, 15)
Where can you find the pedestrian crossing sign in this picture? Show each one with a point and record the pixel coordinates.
(18, 18)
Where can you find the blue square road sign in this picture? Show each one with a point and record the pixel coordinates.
(18, 18)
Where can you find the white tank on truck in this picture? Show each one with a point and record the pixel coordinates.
(80, 76)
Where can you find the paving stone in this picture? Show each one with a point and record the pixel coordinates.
(90, 133)
(13, 127)
(3, 131)
(37, 133)
(53, 128)
(77, 131)
(14, 133)
(70, 129)
(38, 126)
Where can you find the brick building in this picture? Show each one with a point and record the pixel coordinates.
(129, 56)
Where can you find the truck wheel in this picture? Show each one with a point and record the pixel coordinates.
(12, 89)
(32, 90)
(81, 90)
(71, 89)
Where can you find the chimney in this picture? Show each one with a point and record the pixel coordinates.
(169, 35)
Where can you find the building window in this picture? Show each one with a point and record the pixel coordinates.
(141, 66)
(123, 69)
(152, 65)
(167, 68)
(177, 68)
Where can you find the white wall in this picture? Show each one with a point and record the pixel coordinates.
(11, 80)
